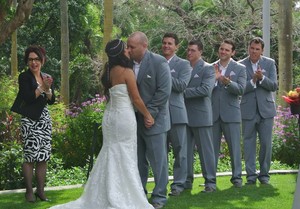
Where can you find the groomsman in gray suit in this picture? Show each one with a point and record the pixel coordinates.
(229, 86)
(154, 84)
(181, 73)
(198, 104)
(258, 111)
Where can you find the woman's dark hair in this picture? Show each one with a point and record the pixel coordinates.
(115, 52)
(38, 50)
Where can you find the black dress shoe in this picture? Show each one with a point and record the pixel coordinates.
(157, 205)
(174, 192)
(265, 182)
(237, 184)
(249, 182)
(42, 199)
(208, 190)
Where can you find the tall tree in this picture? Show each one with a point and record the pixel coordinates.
(285, 47)
(22, 13)
(108, 23)
(65, 53)
(14, 54)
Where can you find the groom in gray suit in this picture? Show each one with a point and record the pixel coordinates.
(229, 87)
(181, 73)
(154, 84)
(198, 104)
(258, 111)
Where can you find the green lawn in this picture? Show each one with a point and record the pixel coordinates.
(278, 195)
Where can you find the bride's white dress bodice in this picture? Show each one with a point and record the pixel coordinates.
(114, 182)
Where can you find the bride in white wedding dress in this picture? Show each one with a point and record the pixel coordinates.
(114, 182)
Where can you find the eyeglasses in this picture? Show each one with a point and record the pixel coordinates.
(36, 59)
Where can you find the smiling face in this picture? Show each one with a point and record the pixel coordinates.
(225, 52)
(255, 50)
(34, 62)
(169, 47)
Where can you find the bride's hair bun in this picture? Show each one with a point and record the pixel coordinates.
(114, 47)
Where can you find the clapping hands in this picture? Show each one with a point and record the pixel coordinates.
(223, 79)
(47, 82)
(258, 75)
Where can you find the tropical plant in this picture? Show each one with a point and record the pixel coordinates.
(10, 165)
(83, 123)
(286, 142)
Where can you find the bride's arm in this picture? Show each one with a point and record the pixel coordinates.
(136, 98)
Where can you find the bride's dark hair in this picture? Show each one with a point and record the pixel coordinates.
(115, 52)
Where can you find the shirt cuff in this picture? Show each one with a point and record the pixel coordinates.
(253, 84)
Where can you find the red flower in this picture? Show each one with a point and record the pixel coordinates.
(293, 96)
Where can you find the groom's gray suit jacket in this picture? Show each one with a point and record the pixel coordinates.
(155, 89)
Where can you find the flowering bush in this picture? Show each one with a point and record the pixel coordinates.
(293, 96)
(286, 143)
(82, 122)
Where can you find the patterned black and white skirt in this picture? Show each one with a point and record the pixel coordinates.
(36, 136)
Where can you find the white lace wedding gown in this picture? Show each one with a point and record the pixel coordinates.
(114, 182)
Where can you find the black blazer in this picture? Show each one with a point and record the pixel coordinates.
(26, 103)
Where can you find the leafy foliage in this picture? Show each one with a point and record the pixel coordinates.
(58, 176)
(85, 79)
(286, 142)
(10, 165)
(83, 124)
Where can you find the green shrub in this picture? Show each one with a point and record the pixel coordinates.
(58, 176)
(11, 156)
(75, 144)
(286, 142)
(9, 89)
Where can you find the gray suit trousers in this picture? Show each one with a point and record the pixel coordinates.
(262, 127)
(202, 137)
(178, 138)
(154, 149)
(232, 134)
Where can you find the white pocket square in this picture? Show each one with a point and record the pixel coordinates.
(263, 70)
(173, 71)
(148, 76)
(196, 76)
(232, 73)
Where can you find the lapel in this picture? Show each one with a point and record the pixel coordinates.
(197, 68)
(230, 68)
(173, 62)
(144, 66)
(262, 63)
(249, 67)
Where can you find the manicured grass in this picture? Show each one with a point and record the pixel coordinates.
(278, 195)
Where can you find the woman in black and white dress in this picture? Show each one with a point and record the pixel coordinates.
(35, 92)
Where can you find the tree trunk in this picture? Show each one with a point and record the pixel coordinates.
(22, 14)
(65, 53)
(285, 48)
(14, 54)
(108, 24)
